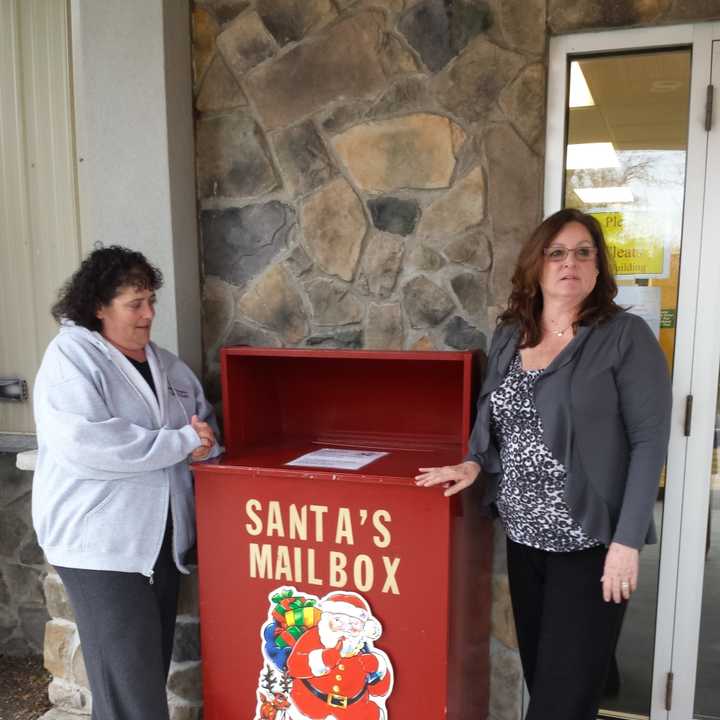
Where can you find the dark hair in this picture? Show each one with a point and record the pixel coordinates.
(98, 280)
(526, 300)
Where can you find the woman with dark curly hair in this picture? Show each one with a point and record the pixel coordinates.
(118, 420)
(571, 433)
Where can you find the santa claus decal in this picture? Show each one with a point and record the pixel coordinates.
(320, 659)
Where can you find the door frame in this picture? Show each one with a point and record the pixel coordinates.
(684, 454)
(706, 365)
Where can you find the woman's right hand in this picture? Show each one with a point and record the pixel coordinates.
(453, 478)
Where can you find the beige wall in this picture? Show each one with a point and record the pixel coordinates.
(39, 242)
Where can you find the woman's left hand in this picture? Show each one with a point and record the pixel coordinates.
(620, 574)
(453, 478)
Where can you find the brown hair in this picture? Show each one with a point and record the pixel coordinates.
(525, 304)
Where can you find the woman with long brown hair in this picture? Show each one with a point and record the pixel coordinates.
(570, 438)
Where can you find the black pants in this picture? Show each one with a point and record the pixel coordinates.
(566, 631)
(126, 628)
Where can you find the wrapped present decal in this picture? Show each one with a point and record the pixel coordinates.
(287, 637)
(294, 610)
(305, 616)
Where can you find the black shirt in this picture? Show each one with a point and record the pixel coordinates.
(144, 369)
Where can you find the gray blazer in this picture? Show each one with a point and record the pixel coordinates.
(605, 404)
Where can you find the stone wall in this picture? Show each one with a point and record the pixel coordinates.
(22, 566)
(63, 656)
(566, 16)
(366, 170)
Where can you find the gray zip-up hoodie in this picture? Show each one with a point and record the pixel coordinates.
(113, 458)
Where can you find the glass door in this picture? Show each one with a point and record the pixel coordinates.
(626, 141)
(626, 154)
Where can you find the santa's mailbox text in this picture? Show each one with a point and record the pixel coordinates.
(322, 545)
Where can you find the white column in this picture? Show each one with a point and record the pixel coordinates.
(135, 147)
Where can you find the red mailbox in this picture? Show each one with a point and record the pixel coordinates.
(330, 592)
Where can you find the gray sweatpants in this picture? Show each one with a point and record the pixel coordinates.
(126, 628)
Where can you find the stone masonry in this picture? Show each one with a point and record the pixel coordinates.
(353, 163)
(22, 565)
(63, 656)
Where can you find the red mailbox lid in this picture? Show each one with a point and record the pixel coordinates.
(399, 466)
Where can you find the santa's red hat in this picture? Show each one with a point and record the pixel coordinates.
(354, 605)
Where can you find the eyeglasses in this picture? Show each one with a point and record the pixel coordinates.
(558, 253)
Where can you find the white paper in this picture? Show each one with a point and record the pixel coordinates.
(642, 300)
(337, 458)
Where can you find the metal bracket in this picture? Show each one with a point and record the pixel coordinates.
(13, 389)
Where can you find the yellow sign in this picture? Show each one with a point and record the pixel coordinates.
(634, 246)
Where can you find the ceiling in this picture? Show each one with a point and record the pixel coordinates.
(641, 101)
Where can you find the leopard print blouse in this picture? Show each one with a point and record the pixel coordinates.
(530, 498)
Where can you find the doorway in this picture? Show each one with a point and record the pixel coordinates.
(631, 139)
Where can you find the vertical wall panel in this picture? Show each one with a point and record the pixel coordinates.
(16, 307)
(39, 243)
